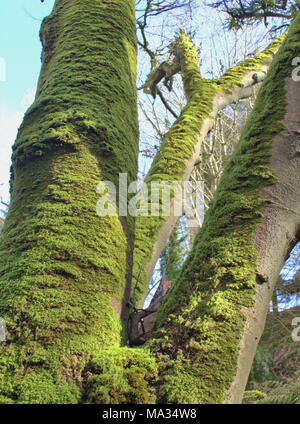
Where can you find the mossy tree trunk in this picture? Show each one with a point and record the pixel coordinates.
(65, 273)
(181, 146)
(63, 268)
(226, 285)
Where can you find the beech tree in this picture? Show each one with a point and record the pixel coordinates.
(70, 279)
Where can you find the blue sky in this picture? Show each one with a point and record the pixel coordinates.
(20, 51)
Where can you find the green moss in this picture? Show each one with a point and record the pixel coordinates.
(189, 63)
(219, 277)
(233, 77)
(61, 265)
(179, 144)
(121, 375)
(87, 88)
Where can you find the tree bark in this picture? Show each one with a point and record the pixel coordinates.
(227, 281)
(63, 268)
(65, 271)
(181, 147)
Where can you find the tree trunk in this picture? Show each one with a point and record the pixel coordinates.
(63, 268)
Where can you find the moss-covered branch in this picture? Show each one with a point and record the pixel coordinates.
(203, 332)
(62, 267)
(181, 146)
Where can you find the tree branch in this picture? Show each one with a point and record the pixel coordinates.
(181, 146)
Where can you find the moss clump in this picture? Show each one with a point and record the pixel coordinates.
(121, 375)
(189, 63)
(218, 279)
